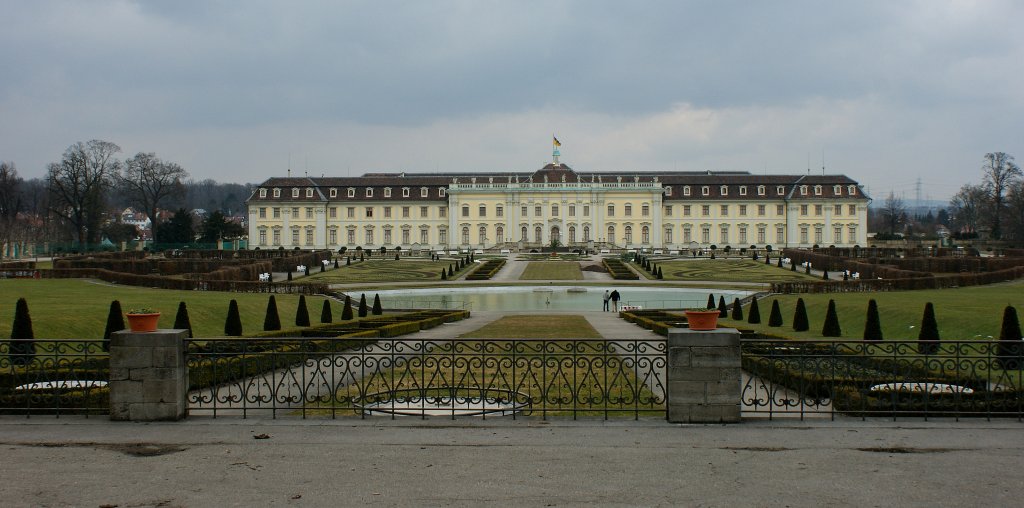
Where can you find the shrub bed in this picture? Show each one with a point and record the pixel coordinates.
(618, 270)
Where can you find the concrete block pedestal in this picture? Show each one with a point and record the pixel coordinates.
(703, 376)
(148, 376)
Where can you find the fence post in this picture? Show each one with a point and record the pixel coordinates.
(148, 375)
(703, 376)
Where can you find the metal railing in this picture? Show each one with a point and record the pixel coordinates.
(54, 377)
(892, 378)
(336, 378)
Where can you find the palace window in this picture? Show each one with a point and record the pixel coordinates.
(442, 211)
(387, 192)
(465, 235)
(572, 234)
(586, 210)
(837, 209)
(351, 192)
(424, 236)
(803, 209)
(705, 210)
(309, 212)
(277, 237)
(686, 210)
(538, 234)
(424, 212)
(780, 209)
(818, 209)
(499, 232)
(742, 235)
(668, 210)
(760, 190)
(295, 192)
(780, 190)
(724, 209)
(465, 210)
(628, 234)
(803, 234)
(263, 237)
(483, 210)
(369, 192)
(725, 234)
(572, 210)
(645, 210)
(705, 191)
(761, 234)
(309, 192)
(586, 233)
(537, 211)
(263, 193)
(483, 234)
(334, 236)
(440, 192)
(724, 190)
(780, 234)
(761, 210)
(295, 236)
(852, 209)
(668, 235)
(405, 212)
(423, 192)
(837, 190)
(668, 190)
(705, 234)
(628, 210)
(803, 190)
(277, 212)
(743, 209)
(334, 212)
(351, 237)
(263, 212)
(611, 234)
(645, 234)
(369, 237)
(817, 190)
(405, 237)
(687, 234)
(369, 212)
(442, 236)
(611, 210)
(499, 211)
(554, 210)
(851, 190)
(837, 234)
(387, 212)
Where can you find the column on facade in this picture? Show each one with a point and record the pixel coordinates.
(321, 227)
(792, 224)
(657, 227)
(286, 229)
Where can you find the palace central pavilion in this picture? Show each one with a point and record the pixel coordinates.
(558, 206)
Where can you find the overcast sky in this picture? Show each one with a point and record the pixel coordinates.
(888, 91)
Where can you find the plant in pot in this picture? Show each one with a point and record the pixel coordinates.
(142, 319)
(702, 319)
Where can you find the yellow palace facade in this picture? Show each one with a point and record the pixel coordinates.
(558, 206)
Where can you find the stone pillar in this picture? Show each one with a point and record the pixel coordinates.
(703, 376)
(148, 375)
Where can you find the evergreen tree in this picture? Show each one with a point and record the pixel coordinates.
(377, 309)
(302, 314)
(755, 313)
(233, 324)
(767, 259)
(307, 271)
(1010, 341)
(928, 338)
(780, 262)
(23, 345)
(824, 275)
(800, 323)
(272, 320)
(660, 276)
(346, 312)
(775, 316)
(792, 266)
(348, 260)
(182, 321)
(737, 310)
(289, 274)
(450, 271)
(723, 311)
(873, 325)
(831, 326)
(115, 323)
(336, 262)
(325, 313)
(444, 274)
(711, 301)
(363, 309)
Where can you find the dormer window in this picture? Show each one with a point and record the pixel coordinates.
(295, 192)
(423, 192)
(837, 190)
(724, 190)
(334, 192)
(277, 193)
(351, 192)
(405, 192)
(387, 192)
(761, 190)
(817, 190)
(852, 190)
(263, 193)
(686, 190)
(309, 192)
(743, 190)
(440, 192)
(668, 190)
(369, 192)
(803, 190)
(780, 190)
(705, 191)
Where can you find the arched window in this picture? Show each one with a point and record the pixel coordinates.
(611, 234)
(556, 235)
(483, 234)
(628, 234)
(645, 235)
(522, 236)
(572, 234)
(499, 232)
(586, 233)
(465, 235)
(538, 234)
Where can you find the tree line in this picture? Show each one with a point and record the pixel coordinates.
(81, 197)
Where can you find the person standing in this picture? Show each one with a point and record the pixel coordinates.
(615, 299)
(607, 296)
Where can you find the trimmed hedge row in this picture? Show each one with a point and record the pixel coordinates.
(618, 270)
(932, 282)
(487, 269)
(657, 321)
(156, 281)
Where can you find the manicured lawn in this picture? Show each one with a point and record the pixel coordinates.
(536, 327)
(77, 308)
(384, 270)
(962, 313)
(725, 270)
(552, 270)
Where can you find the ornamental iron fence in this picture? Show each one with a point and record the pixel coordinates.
(891, 378)
(337, 377)
(54, 377)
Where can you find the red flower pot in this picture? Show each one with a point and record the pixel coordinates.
(143, 322)
(702, 319)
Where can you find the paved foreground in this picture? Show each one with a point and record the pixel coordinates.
(200, 462)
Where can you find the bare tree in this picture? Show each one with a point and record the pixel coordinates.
(894, 212)
(967, 207)
(78, 185)
(11, 203)
(999, 173)
(148, 181)
(1015, 209)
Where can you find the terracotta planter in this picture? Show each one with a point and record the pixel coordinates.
(143, 322)
(702, 319)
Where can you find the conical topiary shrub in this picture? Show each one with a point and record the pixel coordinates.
(800, 323)
(272, 320)
(115, 323)
(289, 275)
(1010, 342)
(23, 339)
(336, 262)
(723, 311)
(346, 311)
(182, 321)
(233, 323)
(831, 327)
(824, 275)
(363, 309)
(928, 338)
(737, 310)
(775, 316)
(754, 314)
(325, 313)
(377, 309)
(872, 325)
(302, 313)
(711, 301)
(450, 271)
(792, 266)
(444, 274)
(780, 261)
(660, 276)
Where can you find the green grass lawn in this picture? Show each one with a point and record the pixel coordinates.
(77, 308)
(552, 270)
(536, 327)
(385, 270)
(724, 270)
(963, 313)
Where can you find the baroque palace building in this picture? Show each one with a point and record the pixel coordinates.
(556, 205)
